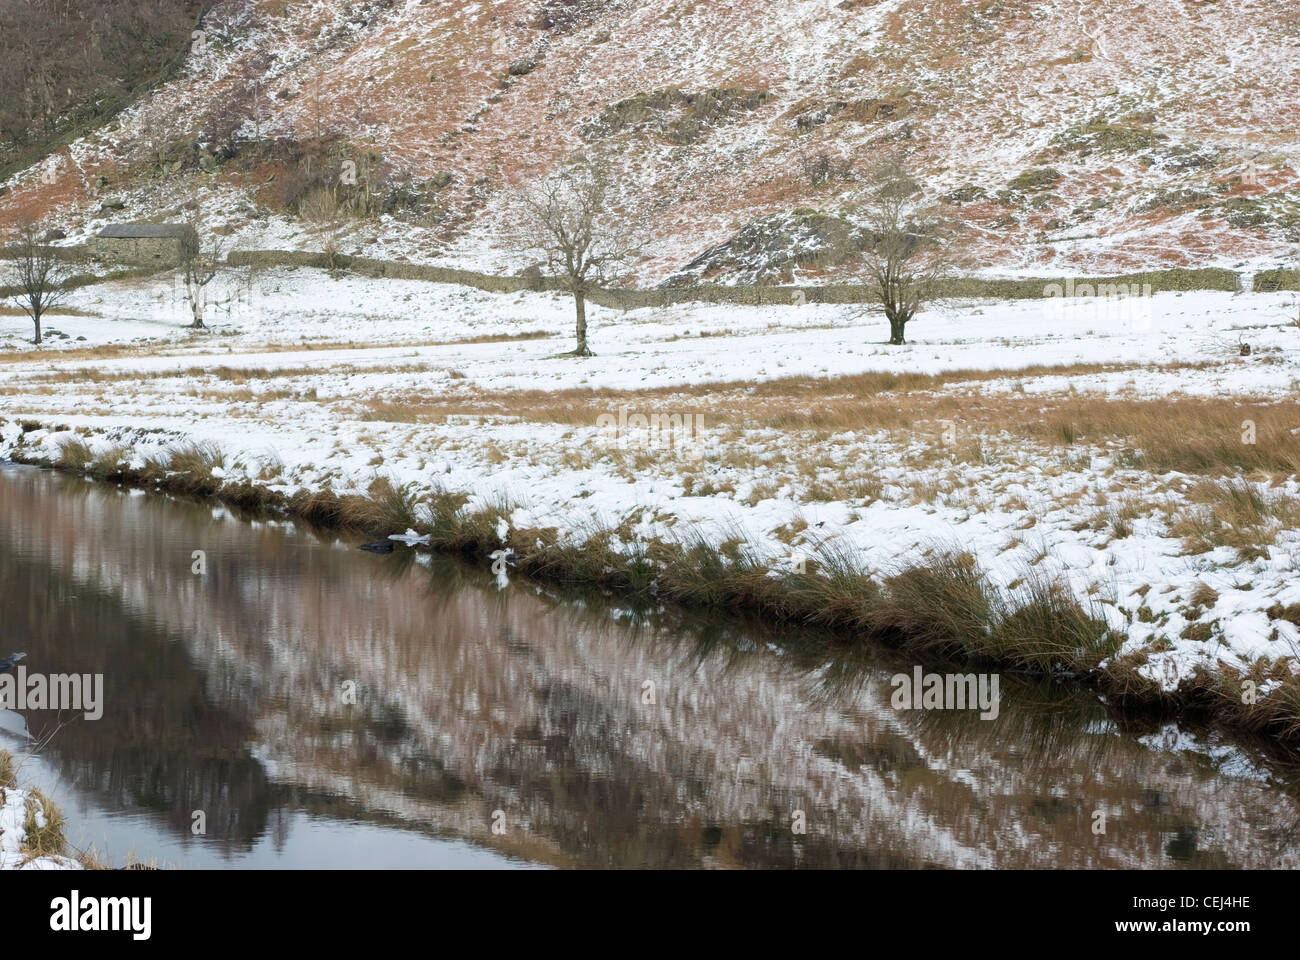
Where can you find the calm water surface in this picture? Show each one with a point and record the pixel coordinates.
(225, 693)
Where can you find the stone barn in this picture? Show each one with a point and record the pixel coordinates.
(144, 244)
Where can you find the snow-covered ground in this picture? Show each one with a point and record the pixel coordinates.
(316, 382)
(13, 816)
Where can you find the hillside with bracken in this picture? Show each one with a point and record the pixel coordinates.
(1062, 135)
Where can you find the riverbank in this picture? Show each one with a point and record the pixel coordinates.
(31, 827)
(1109, 499)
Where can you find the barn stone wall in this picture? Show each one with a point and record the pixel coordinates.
(140, 251)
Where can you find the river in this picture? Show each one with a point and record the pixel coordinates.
(308, 704)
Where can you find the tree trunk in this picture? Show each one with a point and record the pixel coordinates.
(36, 321)
(896, 325)
(580, 304)
(196, 308)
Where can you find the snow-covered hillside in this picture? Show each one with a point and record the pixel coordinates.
(1068, 135)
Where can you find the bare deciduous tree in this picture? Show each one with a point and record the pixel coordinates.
(572, 220)
(40, 276)
(333, 221)
(203, 259)
(159, 138)
(905, 244)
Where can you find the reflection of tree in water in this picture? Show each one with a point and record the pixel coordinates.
(1045, 735)
(528, 700)
(160, 745)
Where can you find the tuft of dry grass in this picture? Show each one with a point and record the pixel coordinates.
(944, 605)
(191, 468)
(74, 455)
(391, 508)
(1050, 631)
(1234, 512)
(1203, 595)
(44, 827)
(1289, 613)
(109, 462)
(1116, 519)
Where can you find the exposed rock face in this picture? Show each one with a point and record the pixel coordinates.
(565, 16)
(768, 249)
(867, 110)
(683, 117)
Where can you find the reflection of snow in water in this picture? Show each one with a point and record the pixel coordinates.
(731, 737)
(500, 563)
(14, 724)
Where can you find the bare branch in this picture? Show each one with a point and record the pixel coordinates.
(906, 245)
(40, 275)
(572, 222)
(203, 259)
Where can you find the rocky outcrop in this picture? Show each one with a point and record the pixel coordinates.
(681, 116)
(768, 249)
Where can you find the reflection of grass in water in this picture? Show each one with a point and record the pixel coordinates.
(1045, 720)
(940, 609)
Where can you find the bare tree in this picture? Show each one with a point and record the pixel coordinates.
(332, 220)
(317, 111)
(571, 219)
(159, 138)
(203, 258)
(904, 244)
(40, 276)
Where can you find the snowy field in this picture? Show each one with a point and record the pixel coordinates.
(313, 382)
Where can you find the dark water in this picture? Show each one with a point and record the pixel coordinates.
(224, 694)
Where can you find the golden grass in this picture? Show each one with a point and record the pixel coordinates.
(1203, 595)
(1188, 434)
(1117, 519)
(102, 352)
(1234, 513)
(773, 403)
(43, 839)
(1206, 436)
(8, 310)
(118, 350)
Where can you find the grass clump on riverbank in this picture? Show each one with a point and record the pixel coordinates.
(43, 827)
(42, 820)
(32, 827)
